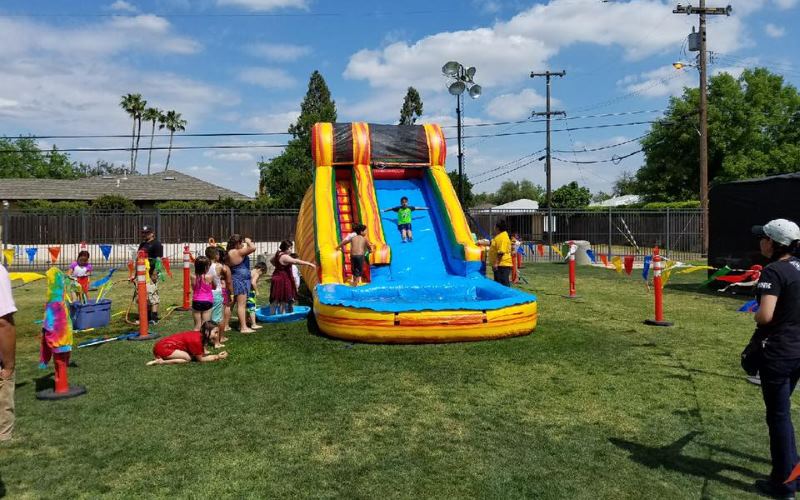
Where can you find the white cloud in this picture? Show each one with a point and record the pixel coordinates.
(785, 4)
(269, 78)
(272, 122)
(235, 156)
(282, 52)
(510, 49)
(660, 82)
(774, 31)
(266, 5)
(122, 5)
(515, 106)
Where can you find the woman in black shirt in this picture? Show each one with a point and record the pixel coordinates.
(778, 325)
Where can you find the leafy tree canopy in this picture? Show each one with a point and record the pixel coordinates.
(285, 178)
(22, 159)
(753, 129)
(115, 203)
(412, 107)
(571, 196)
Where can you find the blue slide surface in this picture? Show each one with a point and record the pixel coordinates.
(423, 275)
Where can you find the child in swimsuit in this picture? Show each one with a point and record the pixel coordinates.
(359, 245)
(80, 270)
(404, 218)
(258, 271)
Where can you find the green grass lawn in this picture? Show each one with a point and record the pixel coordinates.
(593, 404)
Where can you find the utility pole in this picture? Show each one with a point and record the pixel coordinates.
(702, 11)
(548, 170)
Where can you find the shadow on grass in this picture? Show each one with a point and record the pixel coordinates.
(2, 488)
(670, 457)
(709, 291)
(45, 382)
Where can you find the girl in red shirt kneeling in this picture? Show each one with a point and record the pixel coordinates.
(187, 346)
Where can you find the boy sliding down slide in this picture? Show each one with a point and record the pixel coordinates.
(358, 250)
(184, 347)
(404, 218)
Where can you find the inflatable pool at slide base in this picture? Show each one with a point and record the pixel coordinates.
(428, 290)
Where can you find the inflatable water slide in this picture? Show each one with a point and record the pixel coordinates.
(428, 290)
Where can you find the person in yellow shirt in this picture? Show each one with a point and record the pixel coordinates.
(500, 254)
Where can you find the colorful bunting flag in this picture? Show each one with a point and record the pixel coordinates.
(165, 261)
(604, 259)
(591, 256)
(557, 251)
(8, 254)
(106, 251)
(692, 269)
(162, 273)
(646, 267)
(540, 250)
(722, 272)
(102, 281)
(617, 261)
(668, 268)
(628, 264)
(54, 253)
(25, 277)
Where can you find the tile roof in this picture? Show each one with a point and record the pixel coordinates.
(163, 186)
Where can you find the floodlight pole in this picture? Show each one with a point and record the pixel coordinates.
(548, 165)
(460, 153)
(702, 11)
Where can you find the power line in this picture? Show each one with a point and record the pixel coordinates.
(227, 14)
(127, 136)
(507, 164)
(615, 159)
(506, 173)
(155, 148)
(568, 129)
(581, 117)
(601, 148)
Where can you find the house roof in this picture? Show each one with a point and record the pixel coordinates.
(618, 201)
(163, 186)
(521, 204)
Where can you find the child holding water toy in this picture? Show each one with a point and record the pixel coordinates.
(404, 218)
(359, 245)
(256, 274)
(187, 346)
(80, 270)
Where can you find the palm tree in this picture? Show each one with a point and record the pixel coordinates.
(173, 122)
(134, 105)
(151, 115)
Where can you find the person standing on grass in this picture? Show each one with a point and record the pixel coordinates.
(187, 346)
(500, 254)
(778, 329)
(239, 250)
(202, 292)
(404, 218)
(282, 289)
(258, 272)
(154, 251)
(8, 350)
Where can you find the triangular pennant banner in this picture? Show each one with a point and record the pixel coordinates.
(722, 272)
(8, 254)
(165, 261)
(106, 251)
(105, 279)
(558, 251)
(54, 253)
(628, 264)
(540, 250)
(617, 261)
(646, 267)
(604, 259)
(25, 277)
(31, 253)
(591, 256)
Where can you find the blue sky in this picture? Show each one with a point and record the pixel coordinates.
(243, 66)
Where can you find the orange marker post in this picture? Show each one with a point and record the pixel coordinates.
(659, 293)
(141, 296)
(572, 289)
(62, 389)
(187, 293)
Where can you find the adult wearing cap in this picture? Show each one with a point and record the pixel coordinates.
(778, 331)
(154, 251)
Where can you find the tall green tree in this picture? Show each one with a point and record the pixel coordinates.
(151, 115)
(285, 178)
(22, 159)
(515, 190)
(753, 131)
(134, 105)
(412, 107)
(174, 122)
(571, 196)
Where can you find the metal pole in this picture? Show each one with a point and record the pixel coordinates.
(548, 171)
(4, 232)
(460, 153)
(609, 233)
(230, 222)
(703, 130)
(666, 250)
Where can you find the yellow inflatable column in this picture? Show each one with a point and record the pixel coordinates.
(329, 259)
(437, 152)
(366, 198)
(304, 239)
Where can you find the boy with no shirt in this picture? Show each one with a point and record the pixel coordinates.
(358, 249)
